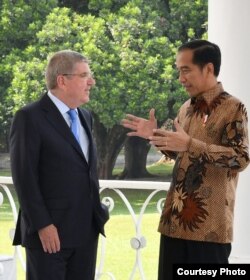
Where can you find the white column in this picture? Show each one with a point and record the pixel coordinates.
(228, 26)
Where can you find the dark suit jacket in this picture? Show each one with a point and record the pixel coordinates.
(54, 182)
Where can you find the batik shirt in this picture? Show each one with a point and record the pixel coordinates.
(200, 201)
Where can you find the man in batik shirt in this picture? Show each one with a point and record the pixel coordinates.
(210, 146)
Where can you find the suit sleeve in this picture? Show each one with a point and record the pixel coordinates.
(25, 145)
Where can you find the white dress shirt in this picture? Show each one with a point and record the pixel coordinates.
(83, 137)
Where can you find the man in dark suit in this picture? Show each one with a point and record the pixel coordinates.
(53, 162)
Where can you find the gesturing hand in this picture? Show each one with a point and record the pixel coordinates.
(141, 127)
(165, 140)
(50, 239)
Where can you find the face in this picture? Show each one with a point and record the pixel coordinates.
(191, 76)
(77, 85)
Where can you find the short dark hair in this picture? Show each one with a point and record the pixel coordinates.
(204, 52)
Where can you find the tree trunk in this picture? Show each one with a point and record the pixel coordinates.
(109, 143)
(136, 151)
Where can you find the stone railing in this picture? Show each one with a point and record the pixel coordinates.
(137, 242)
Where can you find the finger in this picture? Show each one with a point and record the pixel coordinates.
(177, 125)
(159, 143)
(54, 246)
(131, 126)
(47, 247)
(160, 132)
(157, 138)
(132, 134)
(132, 118)
(152, 114)
(57, 243)
(126, 121)
(44, 247)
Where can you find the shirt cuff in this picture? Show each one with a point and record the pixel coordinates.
(196, 147)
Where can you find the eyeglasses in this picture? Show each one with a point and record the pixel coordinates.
(87, 75)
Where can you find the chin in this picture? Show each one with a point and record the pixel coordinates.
(189, 93)
(85, 100)
(192, 94)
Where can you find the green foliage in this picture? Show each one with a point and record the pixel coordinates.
(129, 55)
(19, 22)
(98, 6)
(25, 85)
(131, 43)
(185, 19)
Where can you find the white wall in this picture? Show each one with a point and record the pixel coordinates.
(228, 26)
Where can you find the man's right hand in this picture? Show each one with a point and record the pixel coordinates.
(141, 127)
(50, 239)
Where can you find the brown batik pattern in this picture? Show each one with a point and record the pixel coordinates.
(195, 191)
(187, 206)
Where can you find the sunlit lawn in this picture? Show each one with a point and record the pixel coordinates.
(160, 171)
(119, 257)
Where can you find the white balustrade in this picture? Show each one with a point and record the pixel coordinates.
(138, 240)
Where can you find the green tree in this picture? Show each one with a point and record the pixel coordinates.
(184, 20)
(180, 21)
(193, 14)
(132, 47)
(129, 57)
(19, 22)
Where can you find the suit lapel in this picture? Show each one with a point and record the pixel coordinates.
(86, 123)
(54, 117)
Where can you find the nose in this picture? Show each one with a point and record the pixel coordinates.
(182, 78)
(91, 81)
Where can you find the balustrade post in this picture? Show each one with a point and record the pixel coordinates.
(137, 241)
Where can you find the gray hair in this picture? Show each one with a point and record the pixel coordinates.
(62, 62)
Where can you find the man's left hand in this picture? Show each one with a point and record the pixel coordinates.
(165, 140)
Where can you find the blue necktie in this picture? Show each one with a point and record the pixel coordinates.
(74, 126)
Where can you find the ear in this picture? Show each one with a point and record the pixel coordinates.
(60, 81)
(210, 68)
